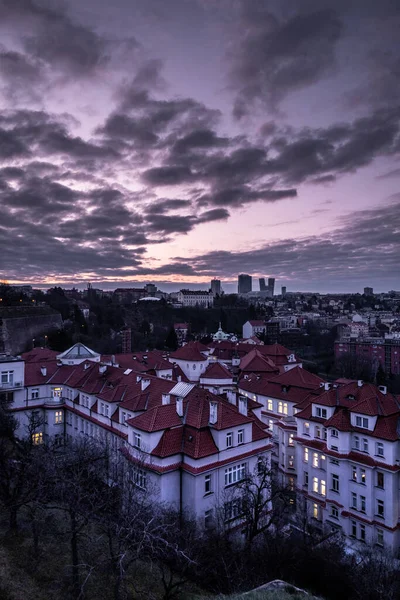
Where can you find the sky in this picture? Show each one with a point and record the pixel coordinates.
(153, 141)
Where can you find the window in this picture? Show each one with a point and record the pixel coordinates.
(334, 461)
(306, 455)
(363, 504)
(208, 518)
(356, 442)
(353, 500)
(354, 473)
(270, 405)
(320, 412)
(233, 509)
(365, 445)
(34, 394)
(315, 485)
(140, 478)
(306, 428)
(282, 408)
(106, 410)
(57, 392)
(315, 462)
(380, 508)
(316, 511)
(380, 449)
(318, 432)
(137, 440)
(271, 425)
(229, 440)
(334, 433)
(305, 480)
(37, 438)
(323, 462)
(362, 422)
(363, 476)
(291, 440)
(235, 474)
(7, 377)
(76, 422)
(285, 408)
(334, 512)
(379, 537)
(58, 417)
(207, 484)
(353, 529)
(380, 480)
(335, 482)
(362, 532)
(323, 487)
(240, 436)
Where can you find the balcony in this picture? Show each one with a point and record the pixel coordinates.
(54, 401)
(11, 385)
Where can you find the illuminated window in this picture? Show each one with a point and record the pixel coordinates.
(306, 455)
(306, 428)
(316, 512)
(315, 461)
(315, 485)
(291, 441)
(270, 405)
(58, 417)
(57, 392)
(363, 476)
(354, 473)
(323, 487)
(37, 438)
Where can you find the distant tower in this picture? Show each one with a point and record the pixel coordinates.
(216, 287)
(283, 291)
(368, 291)
(271, 286)
(126, 335)
(244, 284)
(263, 287)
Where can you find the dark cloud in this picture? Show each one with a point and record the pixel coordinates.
(199, 139)
(20, 75)
(163, 206)
(160, 176)
(54, 37)
(239, 196)
(276, 56)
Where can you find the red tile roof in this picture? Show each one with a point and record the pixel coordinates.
(216, 371)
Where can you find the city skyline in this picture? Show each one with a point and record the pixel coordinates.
(174, 143)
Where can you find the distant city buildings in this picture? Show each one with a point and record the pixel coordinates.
(245, 284)
(216, 287)
(283, 291)
(271, 286)
(263, 287)
(195, 298)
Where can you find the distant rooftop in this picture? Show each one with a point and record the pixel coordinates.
(4, 358)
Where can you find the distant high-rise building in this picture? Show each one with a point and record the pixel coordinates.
(216, 287)
(263, 287)
(283, 290)
(271, 286)
(369, 291)
(126, 339)
(245, 284)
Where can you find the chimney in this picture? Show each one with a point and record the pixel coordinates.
(144, 384)
(102, 369)
(382, 389)
(243, 405)
(166, 399)
(179, 407)
(327, 386)
(360, 382)
(43, 370)
(213, 412)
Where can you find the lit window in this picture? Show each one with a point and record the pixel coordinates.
(240, 436)
(306, 428)
(306, 455)
(315, 461)
(291, 441)
(58, 417)
(323, 487)
(137, 440)
(316, 512)
(207, 484)
(280, 407)
(57, 392)
(37, 438)
(285, 408)
(271, 425)
(315, 484)
(380, 449)
(354, 473)
(229, 440)
(270, 405)
(363, 476)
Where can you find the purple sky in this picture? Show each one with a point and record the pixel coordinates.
(145, 140)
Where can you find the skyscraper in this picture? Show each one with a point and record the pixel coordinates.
(244, 284)
(262, 284)
(216, 287)
(283, 290)
(271, 286)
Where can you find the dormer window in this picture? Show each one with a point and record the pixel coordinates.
(362, 422)
(321, 412)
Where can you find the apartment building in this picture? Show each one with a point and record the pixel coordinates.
(348, 461)
(189, 446)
